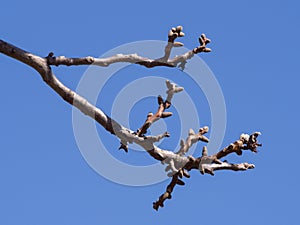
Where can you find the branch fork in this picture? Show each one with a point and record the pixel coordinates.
(163, 105)
(178, 164)
(174, 33)
(208, 164)
(203, 40)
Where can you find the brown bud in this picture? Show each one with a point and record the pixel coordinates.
(204, 130)
(180, 182)
(51, 54)
(201, 41)
(195, 50)
(177, 44)
(181, 34)
(186, 174)
(179, 28)
(160, 100)
(204, 151)
(207, 50)
(150, 114)
(155, 206)
(168, 167)
(167, 134)
(166, 114)
(180, 173)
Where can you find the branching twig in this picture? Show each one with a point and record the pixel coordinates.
(203, 40)
(176, 166)
(192, 139)
(135, 58)
(173, 34)
(163, 105)
(244, 143)
(151, 118)
(209, 164)
(167, 194)
(178, 163)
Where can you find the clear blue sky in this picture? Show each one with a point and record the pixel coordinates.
(44, 178)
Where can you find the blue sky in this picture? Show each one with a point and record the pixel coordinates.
(44, 178)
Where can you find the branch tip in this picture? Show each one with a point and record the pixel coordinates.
(175, 33)
(203, 41)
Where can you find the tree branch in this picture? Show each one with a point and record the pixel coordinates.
(163, 105)
(167, 195)
(41, 66)
(209, 168)
(192, 139)
(124, 134)
(206, 164)
(135, 58)
(178, 162)
(246, 142)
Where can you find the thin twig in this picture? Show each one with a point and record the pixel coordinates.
(135, 58)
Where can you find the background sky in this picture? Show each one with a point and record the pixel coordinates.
(44, 178)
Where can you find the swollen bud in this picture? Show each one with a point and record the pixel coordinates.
(179, 28)
(180, 182)
(207, 50)
(166, 114)
(177, 44)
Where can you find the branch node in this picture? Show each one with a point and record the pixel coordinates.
(124, 147)
(203, 40)
(175, 33)
(50, 55)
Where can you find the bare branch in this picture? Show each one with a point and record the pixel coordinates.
(124, 134)
(246, 142)
(206, 164)
(151, 118)
(192, 139)
(207, 168)
(167, 194)
(163, 105)
(203, 40)
(227, 166)
(173, 34)
(178, 163)
(135, 58)
(41, 66)
(104, 62)
(178, 166)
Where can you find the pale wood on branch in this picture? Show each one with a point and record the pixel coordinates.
(177, 162)
(135, 58)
